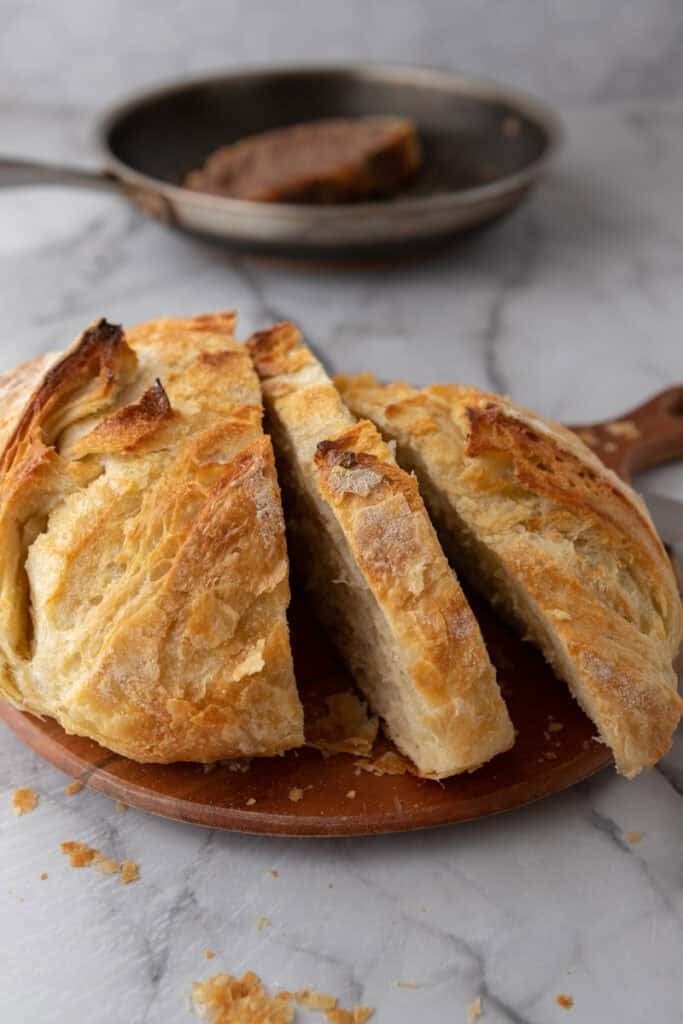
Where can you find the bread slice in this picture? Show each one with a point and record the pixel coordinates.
(336, 160)
(143, 566)
(363, 545)
(557, 541)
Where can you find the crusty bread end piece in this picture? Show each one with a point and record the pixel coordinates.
(143, 567)
(556, 540)
(363, 545)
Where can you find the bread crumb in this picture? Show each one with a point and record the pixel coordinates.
(73, 788)
(251, 801)
(130, 871)
(82, 856)
(224, 999)
(560, 615)
(555, 727)
(24, 800)
(634, 837)
(105, 865)
(209, 954)
(295, 794)
(43, 876)
(389, 763)
(565, 1001)
(339, 1016)
(121, 807)
(406, 984)
(262, 922)
(345, 729)
(273, 873)
(588, 437)
(550, 755)
(238, 764)
(623, 428)
(313, 1000)
(351, 795)
(361, 1014)
(474, 1010)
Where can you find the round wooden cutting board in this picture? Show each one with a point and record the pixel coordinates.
(305, 794)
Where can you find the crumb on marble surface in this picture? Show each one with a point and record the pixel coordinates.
(273, 873)
(224, 999)
(43, 876)
(209, 954)
(73, 788)
(120, 806)
(24, 800)
(474, 1010)
(314, 1000)
(262, 922)
(82, 856)
(565, 1001)
(406, 984)
(634, 837)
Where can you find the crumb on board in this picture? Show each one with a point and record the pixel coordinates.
(295, 794)
(209, 954)
(43, 876)
(634, 837)
(120, 806)
(474, 1010)
(389, 763)
(262, 922)
(82, 856)
(565, 1001)
(314, 1000)
(623, 428)
(351, 795)
(24, 800)
(73, 788)
(346, 728)
(251, 801)
(224, 999)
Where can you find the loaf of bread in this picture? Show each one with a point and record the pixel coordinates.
(363, 546)
(143, 567)
(556, 540)
(338, 160)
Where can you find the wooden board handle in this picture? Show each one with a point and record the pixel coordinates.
(647, 436)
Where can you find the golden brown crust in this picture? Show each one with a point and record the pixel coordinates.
(574, 539)
(353, 511)
(143, 568)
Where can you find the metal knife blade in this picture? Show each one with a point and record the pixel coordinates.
(667, 515)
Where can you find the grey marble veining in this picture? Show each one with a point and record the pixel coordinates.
(573, 305)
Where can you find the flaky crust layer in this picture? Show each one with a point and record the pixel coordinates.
(143, 567)
(575, 540)
(378, 515)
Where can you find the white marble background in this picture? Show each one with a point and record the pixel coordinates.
(574, 305)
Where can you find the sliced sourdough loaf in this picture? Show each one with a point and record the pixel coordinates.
(556, 540)
(363, 545)
(143, 565)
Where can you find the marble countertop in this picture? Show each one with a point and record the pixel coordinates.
(573, 305)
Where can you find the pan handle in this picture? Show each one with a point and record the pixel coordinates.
(33, 172)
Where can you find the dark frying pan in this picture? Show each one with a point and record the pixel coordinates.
(484, 147)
